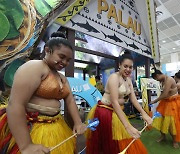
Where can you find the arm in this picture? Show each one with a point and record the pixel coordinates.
(164, 93)
(134, 99)
(22, 90)
(73, 110)
(137, 105)
(113, 85)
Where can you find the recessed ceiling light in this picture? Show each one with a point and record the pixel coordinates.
(174, 48)
(164, 41)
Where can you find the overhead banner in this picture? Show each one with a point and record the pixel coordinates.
(117, 22)
(72, 10)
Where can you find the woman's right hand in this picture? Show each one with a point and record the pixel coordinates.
(133, 132)
(35, 149)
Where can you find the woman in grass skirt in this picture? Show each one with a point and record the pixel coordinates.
(31, 123)
(115, 132)
(168, 107)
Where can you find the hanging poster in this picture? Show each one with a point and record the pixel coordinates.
(115, 21)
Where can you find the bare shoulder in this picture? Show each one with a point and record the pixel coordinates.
(170, 80)
(32, 68)
(32, 65)
(113, 80)
(114, 76)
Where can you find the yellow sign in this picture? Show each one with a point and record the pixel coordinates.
(112, 12)
(144, 94)
(151, 29)
(72, 10)
(92, 81)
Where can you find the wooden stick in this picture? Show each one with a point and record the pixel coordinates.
(124, 151)
(62, 142)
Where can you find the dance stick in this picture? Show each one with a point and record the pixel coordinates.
(62, 142)
(124, 151)
(156, 114)
(91, 125)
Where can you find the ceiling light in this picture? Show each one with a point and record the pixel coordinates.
(164, 41)
(174, 48)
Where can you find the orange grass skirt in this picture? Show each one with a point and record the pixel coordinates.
(170, 120)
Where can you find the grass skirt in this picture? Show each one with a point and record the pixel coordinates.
(45, 130)
(110, 136)
(170, 120)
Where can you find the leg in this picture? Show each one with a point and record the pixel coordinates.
(161, 138)
(175, 144)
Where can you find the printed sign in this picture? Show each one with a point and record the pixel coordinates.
(84, 90)
(117, 22)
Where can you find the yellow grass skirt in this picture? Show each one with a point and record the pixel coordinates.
(48, 131)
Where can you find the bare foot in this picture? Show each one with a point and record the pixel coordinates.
(175, 145)
(162, 138)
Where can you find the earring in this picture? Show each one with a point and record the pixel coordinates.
(55, 62)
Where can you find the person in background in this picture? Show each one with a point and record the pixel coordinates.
(169, 122)
(114, 131)
(99, 85)
(177, 79)
(34, 122)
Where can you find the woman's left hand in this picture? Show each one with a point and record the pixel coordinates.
(79, 128)
(147, 118)
(152, 102)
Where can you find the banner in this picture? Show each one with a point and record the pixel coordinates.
(84, 90)
(148, 84)
(117, 22)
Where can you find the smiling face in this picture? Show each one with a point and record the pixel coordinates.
(126, 68)
(59, 58)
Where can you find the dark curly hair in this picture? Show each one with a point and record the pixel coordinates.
(177, 75)
(156, 72)
(126, 55)
(58, 39)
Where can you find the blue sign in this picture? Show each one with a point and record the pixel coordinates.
(84, 90)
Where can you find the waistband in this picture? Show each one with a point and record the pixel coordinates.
(110, 107)
(40, 118)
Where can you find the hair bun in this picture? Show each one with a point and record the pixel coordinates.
(58, 34)
(127, 52)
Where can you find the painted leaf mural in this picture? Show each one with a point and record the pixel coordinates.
(21, 23)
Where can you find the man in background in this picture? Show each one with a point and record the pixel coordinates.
(99, 84)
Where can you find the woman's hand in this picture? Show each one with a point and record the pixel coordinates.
(147, 118)
(79, 128)
(133, 132)
(35, 149)
(152, 102)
